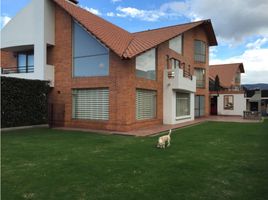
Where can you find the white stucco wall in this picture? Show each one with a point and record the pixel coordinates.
(35, 26)
(170, 87)
(239, 105)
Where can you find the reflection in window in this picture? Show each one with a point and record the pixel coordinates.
(200, 77)
(145, 65)
(90, 57)
(199, 51)
(228, 102)
(176, 44)
(182, 104)
(26, 62)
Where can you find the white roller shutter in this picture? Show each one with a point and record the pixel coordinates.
(91, 104)
(145, 104)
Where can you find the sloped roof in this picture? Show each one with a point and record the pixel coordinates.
(226, 72)
(124, 43)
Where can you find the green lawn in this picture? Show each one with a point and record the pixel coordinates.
(209, 161)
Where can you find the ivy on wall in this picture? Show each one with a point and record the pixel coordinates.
(23, 102)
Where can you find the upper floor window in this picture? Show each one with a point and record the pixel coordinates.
(176, 44)
(199, 51)
(200, 77)
(25, 62)
(237, 78)
(90, 57)
(146, 65)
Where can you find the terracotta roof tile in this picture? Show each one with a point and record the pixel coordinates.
(226, 72)
(123, 43)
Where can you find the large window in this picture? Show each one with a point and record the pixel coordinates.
(91, 104)
(199, 108)
(26, 62)
(176, 44)
(237, 78)
(90, 57)
(199, 51)
(145, 104)
(228, 102)
(200, 77)
(145, 65)
(182, 104)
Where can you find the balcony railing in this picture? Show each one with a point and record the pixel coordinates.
(17, 70)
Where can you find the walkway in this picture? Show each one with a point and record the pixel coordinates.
(157, 129)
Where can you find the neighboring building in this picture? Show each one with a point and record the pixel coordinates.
(257, 100)
(104, 77)
(229, 98)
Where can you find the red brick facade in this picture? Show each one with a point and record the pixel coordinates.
(122, 81)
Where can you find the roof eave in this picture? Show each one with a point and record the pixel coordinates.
(210, 31)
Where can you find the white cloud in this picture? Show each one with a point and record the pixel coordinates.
(92, 10)
(4, 20)
(114, 1)
(255, 63)
(172, 10)
(110, 14)
(257, 44)
(233, 20)
(145, 15)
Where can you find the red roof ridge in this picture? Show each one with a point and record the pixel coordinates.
(171, 26)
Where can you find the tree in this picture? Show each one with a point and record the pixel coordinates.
(217, 84)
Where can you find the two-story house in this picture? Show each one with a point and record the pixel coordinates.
(104, 77)
(228, 98)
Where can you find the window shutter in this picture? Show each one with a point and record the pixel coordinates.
(145, 104)
(91, 104)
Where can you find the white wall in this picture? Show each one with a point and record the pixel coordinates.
(170, 87)
(239, 105)
(35, 26)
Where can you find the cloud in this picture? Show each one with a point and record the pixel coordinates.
(145, 15)
(92, 10)
(257, 44)
(110, 14)
(233, 19)
(255, 63)
(114, 1)
(172, 10)
(4, 20)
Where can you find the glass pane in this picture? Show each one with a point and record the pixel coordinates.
(85, 44)
(182, 104)
(145, 65)
(176, 44)
(145, 104)
(21, 63)
(30, 63)
(91, 66)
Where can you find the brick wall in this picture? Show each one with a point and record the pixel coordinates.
(8, 60)
(122, 81)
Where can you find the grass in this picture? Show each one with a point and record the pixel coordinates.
(209, 161)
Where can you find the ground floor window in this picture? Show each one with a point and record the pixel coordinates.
(199, 107)
(145, 104)
(228, 102)
(182, 104)
(91, 104)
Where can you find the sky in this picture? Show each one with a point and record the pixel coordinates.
(241, 26)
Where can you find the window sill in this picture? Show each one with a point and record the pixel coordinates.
(183, 117)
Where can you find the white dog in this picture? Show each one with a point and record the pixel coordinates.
(163, 140)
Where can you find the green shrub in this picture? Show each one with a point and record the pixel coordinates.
(23, 102)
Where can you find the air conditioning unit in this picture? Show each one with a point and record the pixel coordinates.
(171, 74)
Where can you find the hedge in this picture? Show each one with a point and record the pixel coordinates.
(23, 102)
